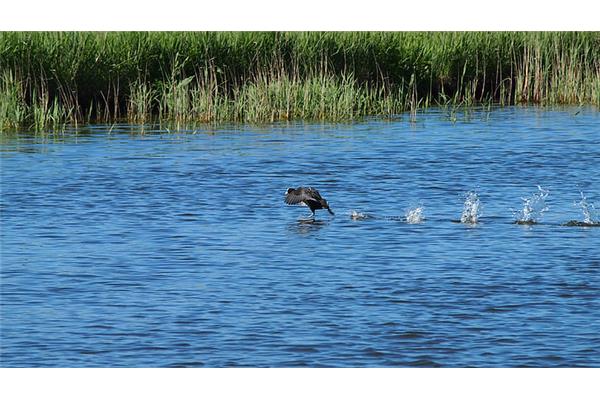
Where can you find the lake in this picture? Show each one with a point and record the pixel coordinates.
(177, 249)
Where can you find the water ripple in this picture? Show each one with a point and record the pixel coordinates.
(177, 251)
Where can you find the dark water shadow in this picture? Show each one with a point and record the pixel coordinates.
(528, 222)
(582, 224)
(467, 224)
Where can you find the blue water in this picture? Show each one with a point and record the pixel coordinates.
(172, 249)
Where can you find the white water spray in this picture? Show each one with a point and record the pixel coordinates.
(589, 211)
(533, 207)
(471, 209)
(414, 215)
(355, 215)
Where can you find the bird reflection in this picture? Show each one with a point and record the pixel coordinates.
(306, 226)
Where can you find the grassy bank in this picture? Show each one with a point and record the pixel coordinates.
(48, 79)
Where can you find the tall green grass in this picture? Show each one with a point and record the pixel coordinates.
(54, 78)
(12, 104)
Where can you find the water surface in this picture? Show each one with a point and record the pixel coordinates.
(172, 249)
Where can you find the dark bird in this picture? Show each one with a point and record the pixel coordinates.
(307, 196)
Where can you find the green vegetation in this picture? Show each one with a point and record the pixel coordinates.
(48, 79)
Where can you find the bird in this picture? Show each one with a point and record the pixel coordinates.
(309, 197)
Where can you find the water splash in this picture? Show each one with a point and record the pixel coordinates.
(589, 211)
(471, 209)
(414, 215)
(534, 207)
(355, 215)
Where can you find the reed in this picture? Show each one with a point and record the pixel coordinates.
(54, 78)
(12, 103)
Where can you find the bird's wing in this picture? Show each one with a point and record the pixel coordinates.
(297, 196)
(313, 194)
